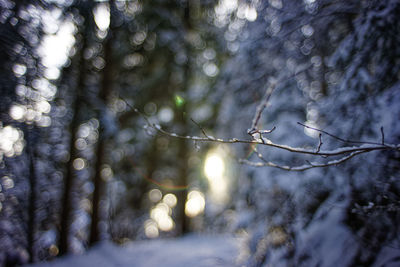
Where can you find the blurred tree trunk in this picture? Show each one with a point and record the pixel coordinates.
(73, 128)
(33, 193)
(182, 120)
(104, 95)
(182, 159)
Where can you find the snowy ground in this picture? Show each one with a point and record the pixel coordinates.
(192, 250)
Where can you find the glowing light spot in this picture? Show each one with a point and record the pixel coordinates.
(161, 215)
(179, 101)
(17, 112)
(11, 141)
(79, 164)
(251, 14)
(214, 166)
(102, 16)
(165, 114)
(52, 73)
(223, 10)
(19, 70)
(84, 130)
(170, 200)
(43, 106)
(164, 208)
(165, 223)
(151, 229)
(54, 49)
(210, 69)
(195, 203)
(214, 169)
(155, 195)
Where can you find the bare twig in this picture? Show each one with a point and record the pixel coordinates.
(320, 143)
(201, 128)
(339, 138)
(260, 109)
(304, 167)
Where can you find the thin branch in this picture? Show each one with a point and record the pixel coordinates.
(302, 167)
(383, 136)
(201, 128)
(261, 108)
(320, 143)
(339, 138)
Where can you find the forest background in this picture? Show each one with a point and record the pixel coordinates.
(131, 120)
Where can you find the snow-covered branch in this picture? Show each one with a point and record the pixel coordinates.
(345, 153)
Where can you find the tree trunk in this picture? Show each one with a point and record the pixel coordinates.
(73, 128)
(104, 94)
(33, 194)
(183, 150)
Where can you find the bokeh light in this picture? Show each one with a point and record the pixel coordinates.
(179, 101)
(170, 200)
(79, 164)
(151, 229)
(214, 169)
(195, 203)
(161, 214)
(102, 16)
(155, 195)
(11, 141)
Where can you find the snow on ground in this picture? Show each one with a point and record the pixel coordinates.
(191, 250)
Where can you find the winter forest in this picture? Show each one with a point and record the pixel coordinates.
(261, 132)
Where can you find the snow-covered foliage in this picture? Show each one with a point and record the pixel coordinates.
(336, 68)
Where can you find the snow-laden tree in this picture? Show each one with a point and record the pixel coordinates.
(334, 66)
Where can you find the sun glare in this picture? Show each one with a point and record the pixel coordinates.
(214, 169)
(214, 166)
